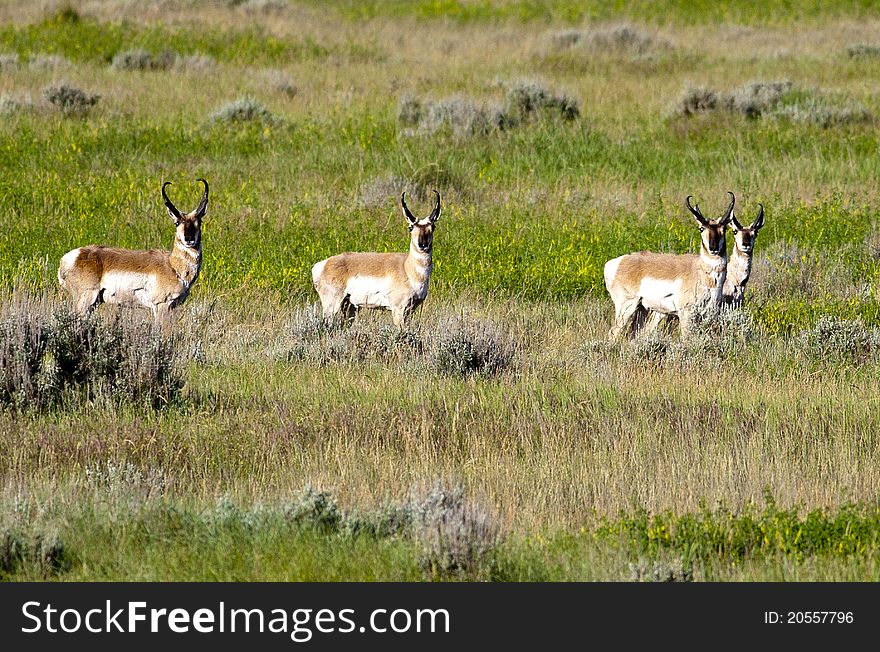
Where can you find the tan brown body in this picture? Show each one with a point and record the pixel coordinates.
(669, 284)
(397, 282)
(154, 279)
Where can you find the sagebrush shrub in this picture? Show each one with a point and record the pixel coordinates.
(243, 109)
(526, 101)
(529, 100)
(126, 480)
(8, 61)
(622, 38)
(140, 59)
(696, 99)
(279, 81)
(70, 100)
(49, 62)
(835, 340)
(469, 347)
(314, 509)
(863, 50)
(19, 549)
(455, 534)
(51, 357)
(10, 104)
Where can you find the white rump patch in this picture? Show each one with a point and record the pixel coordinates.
(611, 269)
(317, 270)
(69, 259)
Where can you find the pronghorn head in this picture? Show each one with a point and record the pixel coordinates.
(422, 229)
(744, 236)
(712, 231)
(189, 225)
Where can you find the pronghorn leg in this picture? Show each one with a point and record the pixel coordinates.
(685, 322)
(654, 322)
(627, 312)
(88, 301)
(398, 316)
(332, 304)
(349, 310)
(162, 314)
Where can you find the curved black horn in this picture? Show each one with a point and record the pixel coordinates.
(729, 211)
(695, 210)
(203, 205)
(412, 218)
(435, 214)
(736, 225)
(171, 207)
(759, 221)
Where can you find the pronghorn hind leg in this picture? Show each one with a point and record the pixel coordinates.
(627, 314)
(398, 316)
(88, 301)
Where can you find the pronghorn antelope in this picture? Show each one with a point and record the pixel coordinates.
(154, 279)
(739, 267)
(670, 284)
(387, 281)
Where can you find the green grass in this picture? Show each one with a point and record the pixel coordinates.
(677, 11)
(87, 40)
(112, 539)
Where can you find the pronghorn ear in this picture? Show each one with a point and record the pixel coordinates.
(172, 209)
(412, 219)
(758, 224)
(435, 214)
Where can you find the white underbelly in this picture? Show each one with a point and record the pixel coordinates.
(126, 288)
(661, 295)
(369, 292)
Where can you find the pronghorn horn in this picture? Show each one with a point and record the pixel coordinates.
(759, 221)
(203, 205)
(736, 225)
(171, 207)
(729, 212)
(695, 210)
(412, 218)
(435, 214)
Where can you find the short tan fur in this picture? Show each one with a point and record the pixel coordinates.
(397, 282)
(669, 284)
(154, 279)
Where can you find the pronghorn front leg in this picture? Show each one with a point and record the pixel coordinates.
(162, 315)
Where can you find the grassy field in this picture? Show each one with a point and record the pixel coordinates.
(499, 436)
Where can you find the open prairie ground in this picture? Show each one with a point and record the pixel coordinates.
(499, 435)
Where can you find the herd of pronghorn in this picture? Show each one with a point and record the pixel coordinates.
(646, 287)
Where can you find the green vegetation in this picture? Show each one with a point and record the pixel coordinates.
(499, 436)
